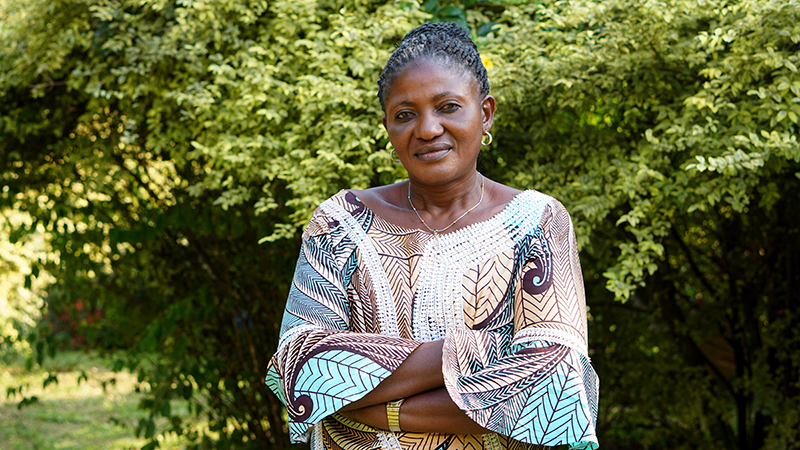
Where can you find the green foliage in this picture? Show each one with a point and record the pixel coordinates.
(668, 130)
(154, 143)
(22, 282)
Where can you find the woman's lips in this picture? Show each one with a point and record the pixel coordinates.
(433, 154)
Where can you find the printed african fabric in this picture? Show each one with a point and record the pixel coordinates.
(506, 296)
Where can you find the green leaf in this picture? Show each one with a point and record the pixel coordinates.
(50, 379)
(431, 6)
(451, 11)
(28, 401)
(486, 28)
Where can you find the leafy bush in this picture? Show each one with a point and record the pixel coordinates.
(21, 282)
(670, 132)
(157, 142)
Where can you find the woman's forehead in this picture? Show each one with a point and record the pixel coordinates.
(430, 76)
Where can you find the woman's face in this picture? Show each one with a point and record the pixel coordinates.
(435, 117)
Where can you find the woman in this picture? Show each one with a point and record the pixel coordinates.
(442, 312)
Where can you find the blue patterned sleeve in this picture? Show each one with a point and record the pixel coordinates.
(321, 366)
(533, 381)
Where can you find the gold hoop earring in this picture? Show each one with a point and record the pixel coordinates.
(392, 157)
(490, 139)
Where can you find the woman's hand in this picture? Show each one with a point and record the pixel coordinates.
(429, 412)
(435, 412)
(374, 416)
(420, 372)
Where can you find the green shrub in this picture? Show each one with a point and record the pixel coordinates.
(156, 143)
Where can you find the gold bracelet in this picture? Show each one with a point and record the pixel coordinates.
(393, 414)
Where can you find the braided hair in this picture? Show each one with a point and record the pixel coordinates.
(446, 42)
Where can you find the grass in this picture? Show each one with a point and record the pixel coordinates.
(72, 415)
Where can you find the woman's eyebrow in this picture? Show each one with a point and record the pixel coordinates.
(445, 94)
(404, 103)
(436, 97)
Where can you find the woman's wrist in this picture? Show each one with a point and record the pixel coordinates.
(435, 412)
(393, 414)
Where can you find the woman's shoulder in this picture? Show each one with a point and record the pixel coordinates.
(530, 198)
(512, 200)
(324, 219)
(531, 211)
(383, 200)
(507, 197)
(389, 203)
(348, 207)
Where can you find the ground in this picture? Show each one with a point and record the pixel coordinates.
(71, 414)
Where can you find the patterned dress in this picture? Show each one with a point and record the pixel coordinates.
(506, 296)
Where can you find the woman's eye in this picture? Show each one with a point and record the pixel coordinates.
(450, 107)
(403, 115)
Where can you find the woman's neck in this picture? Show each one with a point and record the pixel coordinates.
(445, 200)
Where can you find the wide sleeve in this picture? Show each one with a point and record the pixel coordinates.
(320, 366)
(535, 384)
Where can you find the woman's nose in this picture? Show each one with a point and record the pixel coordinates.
(429, 127)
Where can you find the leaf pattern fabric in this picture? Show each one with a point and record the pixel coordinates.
(506, 296)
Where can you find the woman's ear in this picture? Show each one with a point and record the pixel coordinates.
(384, 122)
(487, 112)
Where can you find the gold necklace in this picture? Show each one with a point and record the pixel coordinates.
(434, 231)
